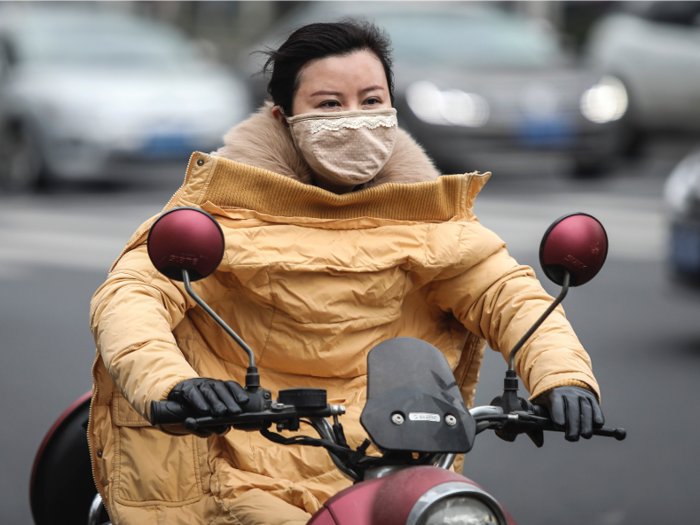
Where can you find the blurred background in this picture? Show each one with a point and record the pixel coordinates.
(574, 106)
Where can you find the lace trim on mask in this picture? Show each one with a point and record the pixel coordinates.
(369, 122)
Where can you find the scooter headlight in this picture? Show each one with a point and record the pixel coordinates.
(456, 503)
(459, 510)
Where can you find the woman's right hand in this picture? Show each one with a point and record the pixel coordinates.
(210, 397)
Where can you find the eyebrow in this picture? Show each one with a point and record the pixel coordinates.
(338, 94)
(371, 88)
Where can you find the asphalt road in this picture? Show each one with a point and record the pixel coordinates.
(641, 329)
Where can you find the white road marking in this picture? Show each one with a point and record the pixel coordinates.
(85, 239)
(90, 238)
(636, 226)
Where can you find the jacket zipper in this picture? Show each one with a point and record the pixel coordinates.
(187, 178)
(100, 489)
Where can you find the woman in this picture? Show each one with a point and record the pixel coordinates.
(324, 260)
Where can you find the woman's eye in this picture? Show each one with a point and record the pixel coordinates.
(372, 101)
(330, 104)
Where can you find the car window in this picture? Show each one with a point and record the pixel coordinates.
(109, 43)
(666, 12)
(490, 41)
(680, 13)
(476, 36)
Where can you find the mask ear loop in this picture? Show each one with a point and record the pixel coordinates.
(284, 119)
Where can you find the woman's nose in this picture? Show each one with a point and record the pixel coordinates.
(353, 105)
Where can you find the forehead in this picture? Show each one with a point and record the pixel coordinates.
(358, 69)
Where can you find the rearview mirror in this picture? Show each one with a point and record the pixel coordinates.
(186, 239)
(576, 243)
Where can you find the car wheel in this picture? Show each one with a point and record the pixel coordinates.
(632, 139)
(21, 165)
(590, 167)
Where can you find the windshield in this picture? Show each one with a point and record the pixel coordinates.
(412, 378)
(111, 43)
(478, 40)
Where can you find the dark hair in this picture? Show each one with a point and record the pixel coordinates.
(321, 40)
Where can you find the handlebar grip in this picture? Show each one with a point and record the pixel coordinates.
(618, 433)
(168, 413)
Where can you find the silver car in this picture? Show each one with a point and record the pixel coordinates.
(654, 47)
(485, 89)
(92, 94)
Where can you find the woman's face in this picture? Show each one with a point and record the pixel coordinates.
(342, 83)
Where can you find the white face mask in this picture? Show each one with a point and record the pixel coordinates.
(346, 148)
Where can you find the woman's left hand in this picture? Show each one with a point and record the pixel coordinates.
(573, 408)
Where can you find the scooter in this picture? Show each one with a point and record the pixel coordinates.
(414, 415)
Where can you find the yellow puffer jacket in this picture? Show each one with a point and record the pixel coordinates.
(311, 281)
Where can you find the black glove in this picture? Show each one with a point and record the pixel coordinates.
(210, 397)
(574, 409)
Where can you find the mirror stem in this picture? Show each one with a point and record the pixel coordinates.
(252, 379)
(557, 302)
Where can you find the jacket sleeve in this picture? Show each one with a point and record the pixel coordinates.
(499, 300)
(132, 316)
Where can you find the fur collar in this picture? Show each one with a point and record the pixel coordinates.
(264, 142)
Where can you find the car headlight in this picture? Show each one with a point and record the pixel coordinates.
(456, 503)
(604, 102)
(447, 108)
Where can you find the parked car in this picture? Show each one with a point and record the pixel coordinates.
(682, 197)
(654, 48)
(90, 94)
(482, 88)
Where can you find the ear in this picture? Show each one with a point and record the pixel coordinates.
(277, 113)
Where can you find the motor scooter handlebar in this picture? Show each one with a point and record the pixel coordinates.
(173, 413)
(536, 418)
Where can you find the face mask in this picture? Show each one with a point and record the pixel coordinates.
(346, 148)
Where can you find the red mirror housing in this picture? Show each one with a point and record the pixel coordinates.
(186, 239)
(576, 243)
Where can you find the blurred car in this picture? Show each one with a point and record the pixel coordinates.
(682, 198)
(89, 94)
(654, 48)
(485, 89)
